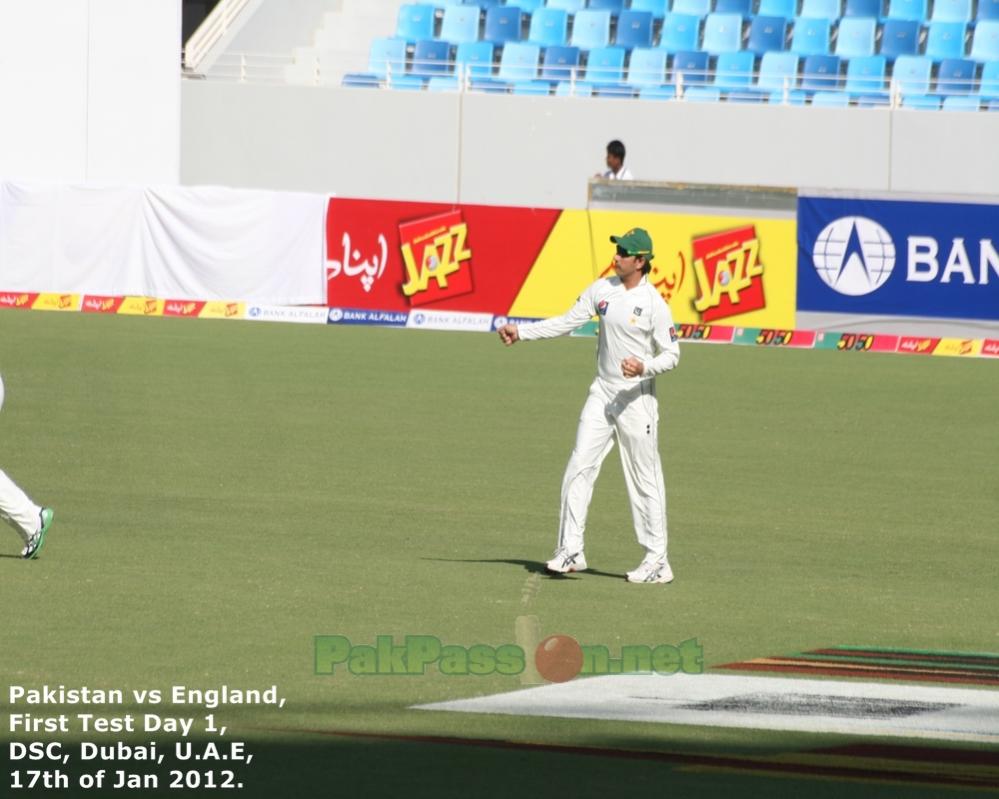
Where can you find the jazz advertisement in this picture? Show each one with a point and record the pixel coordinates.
(902, 258)
(530, 262)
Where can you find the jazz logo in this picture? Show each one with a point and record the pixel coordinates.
(729, 273)
(437, 258)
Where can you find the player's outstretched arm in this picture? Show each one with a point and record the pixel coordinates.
(509, 334)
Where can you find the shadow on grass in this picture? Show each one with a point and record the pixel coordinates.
(532, 566)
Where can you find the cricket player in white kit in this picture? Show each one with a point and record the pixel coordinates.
(637, 342)
(31, 521)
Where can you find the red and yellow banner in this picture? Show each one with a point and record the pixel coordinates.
(531, 262)
(398, 256)
(736, 271)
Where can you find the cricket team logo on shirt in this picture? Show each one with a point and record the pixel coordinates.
(729, 273)
(602, 307)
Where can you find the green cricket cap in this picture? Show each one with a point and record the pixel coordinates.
(636, 241)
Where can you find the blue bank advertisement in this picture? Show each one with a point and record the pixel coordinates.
(903, 258)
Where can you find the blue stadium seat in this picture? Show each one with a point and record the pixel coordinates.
(778, 71)
(922, 102)
(605, 65)
(503, 24)
(658, 8)
(489, 86)
(443, 83)
(482, 3)
(475, 59)
(406, 82)
(387, 53)
(722, 33)
(699, 8)
(820, 73)
(956, 76)
(559, 63)
(667, 92)
(865, 75)
(820, 9)
(987, 9)
(361, 80)
(856, 36)
(864, 8)
(549, 26)
(591, 29)
(431, 57)
(873, 100)
(831, 99)
(527, 6)
(614, 6)
(519, 61)
(571, 6)
(634, 29)
(647, 66)
(577, 89)
(531, 87)
(680, 33)
(965, 103)
(702, 94)
(899, 37)
(734, 71)
(811, 36)
(692, 64)
(460, 24)
(988, 86)
(985, 44)
(415, 21)
(744, 8)
(766, 33)
(778, 8)
(911, 75)
(945, 40)
(614, 90)
(746, 96)
(911, 10)
(951, 11)
(792, 97)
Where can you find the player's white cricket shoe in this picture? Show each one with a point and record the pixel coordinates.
(563, 562)
(36, 541)
(651, 571)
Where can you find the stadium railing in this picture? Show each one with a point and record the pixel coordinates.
(915, 85)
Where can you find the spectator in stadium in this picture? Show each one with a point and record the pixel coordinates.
(31, 521)
(616, 170)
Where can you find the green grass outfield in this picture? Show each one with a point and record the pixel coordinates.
(224, 491)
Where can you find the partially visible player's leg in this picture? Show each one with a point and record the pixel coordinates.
(16, 508)
(594, 439)
(637, 430)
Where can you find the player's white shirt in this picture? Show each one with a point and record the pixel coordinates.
(623, 174)
(635, 322)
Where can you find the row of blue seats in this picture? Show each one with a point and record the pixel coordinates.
(725, 33)
(610, 70)
(921, 10)
(669, 91)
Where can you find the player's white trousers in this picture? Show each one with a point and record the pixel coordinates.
(631, 415)
(16, 508)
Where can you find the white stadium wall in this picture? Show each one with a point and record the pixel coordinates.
(516, 150)
(90, 91)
